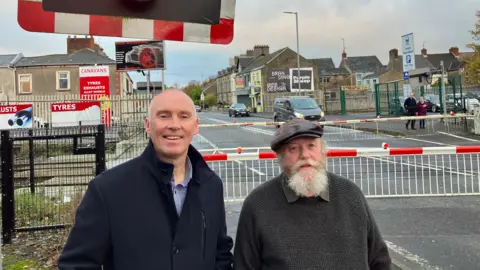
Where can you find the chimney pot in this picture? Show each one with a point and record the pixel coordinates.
(454, 51)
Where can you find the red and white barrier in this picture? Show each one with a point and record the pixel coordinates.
(367, 152)
(344, 122)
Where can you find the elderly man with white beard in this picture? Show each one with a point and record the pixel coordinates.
(306, 217)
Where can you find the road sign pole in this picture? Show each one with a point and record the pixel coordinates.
(442, 83)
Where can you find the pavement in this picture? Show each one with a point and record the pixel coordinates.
(421, 232)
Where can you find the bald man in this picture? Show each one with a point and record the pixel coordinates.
(162, 210)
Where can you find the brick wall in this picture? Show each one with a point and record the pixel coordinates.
(288, 59)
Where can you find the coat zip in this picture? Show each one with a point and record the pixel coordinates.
(204, 234)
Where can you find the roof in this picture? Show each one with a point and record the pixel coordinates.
(324, 72)
(449, 60)
(360, 64)
(244, 60)
(7, 59)
(262, 60)
(323, 63)
(82, 57)
(375, 74)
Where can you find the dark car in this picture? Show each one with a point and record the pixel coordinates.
(288, 108)
(198, 108)
(238, 109)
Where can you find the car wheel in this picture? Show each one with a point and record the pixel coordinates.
(434, 108)
(276, 120)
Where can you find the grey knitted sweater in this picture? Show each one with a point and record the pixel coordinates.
(279, 231)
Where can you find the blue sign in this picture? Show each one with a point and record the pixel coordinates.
(406, 76)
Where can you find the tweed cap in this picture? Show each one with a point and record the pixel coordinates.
(295, 128)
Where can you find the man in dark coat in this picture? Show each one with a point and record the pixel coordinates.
(162, 210)
(411, 107)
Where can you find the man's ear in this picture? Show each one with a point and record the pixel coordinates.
(196, 130)
(147, 126)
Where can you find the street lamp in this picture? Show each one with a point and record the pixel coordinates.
(298, 47)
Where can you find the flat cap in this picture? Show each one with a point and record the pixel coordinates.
(295, 128)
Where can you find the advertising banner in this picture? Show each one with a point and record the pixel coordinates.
(95, 85)
(16, 116)
(306, 79)
(239, 83)
(278, 80)
(140, 55)
(76, 113)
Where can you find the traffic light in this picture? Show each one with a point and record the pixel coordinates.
(192, 11)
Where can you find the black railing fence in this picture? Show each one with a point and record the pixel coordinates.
(46, 170)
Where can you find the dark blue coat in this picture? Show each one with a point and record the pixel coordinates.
(127, 220)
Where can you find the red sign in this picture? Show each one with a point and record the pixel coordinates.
(73, 106)
(32, 17)
(95, 85)
(9, 109)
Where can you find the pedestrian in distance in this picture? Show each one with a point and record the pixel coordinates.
(161, 210)
(306, 217)
(422, 111)
(410, 105)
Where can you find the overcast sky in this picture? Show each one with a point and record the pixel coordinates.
(370, 27)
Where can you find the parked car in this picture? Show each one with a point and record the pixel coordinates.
(198, 108)
(288, 108)
(433, 103)
(238, 109)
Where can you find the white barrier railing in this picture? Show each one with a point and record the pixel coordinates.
(378, 172)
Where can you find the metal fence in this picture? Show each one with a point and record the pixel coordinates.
(43, 173)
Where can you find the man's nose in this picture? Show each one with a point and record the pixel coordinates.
(305, 153)
(174, 122)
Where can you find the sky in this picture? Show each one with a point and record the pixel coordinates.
(369, 27)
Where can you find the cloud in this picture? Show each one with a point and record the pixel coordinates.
(369, 27)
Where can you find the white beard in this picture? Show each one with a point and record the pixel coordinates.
(308, 182)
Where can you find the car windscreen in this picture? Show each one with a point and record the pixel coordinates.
(304, 103)
(240, 106)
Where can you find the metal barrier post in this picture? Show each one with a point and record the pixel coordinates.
(8, 209)
(31, 160)
(100, 150)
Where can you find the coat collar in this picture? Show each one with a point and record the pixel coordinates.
(163, 171)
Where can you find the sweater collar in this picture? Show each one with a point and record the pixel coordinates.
(293, 197)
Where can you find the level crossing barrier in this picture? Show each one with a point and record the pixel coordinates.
(215, 133)
(378, 172)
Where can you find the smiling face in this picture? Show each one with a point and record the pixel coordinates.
(171, 124)
(303, 161)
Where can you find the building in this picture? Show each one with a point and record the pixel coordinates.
(58, 74)
(7, 74)
(252, 82)
(331, 77)
(226, 93)
(360, 67)
(425, 64)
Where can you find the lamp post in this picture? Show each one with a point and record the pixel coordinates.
(298, 47)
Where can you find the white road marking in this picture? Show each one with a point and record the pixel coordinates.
(266, 132)
(432, 142)
(423, 263)
(459, 137)
(236, 161)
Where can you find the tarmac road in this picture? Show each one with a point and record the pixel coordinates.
(422, 232)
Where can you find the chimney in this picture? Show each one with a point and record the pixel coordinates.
(260, 50)
(250, 53)
(424, 52)
(454, 51)
(393, 54)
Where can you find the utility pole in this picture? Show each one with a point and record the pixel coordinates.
(298, 48)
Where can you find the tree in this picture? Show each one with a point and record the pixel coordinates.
(195, 94)
(210, 100)
(472, 68)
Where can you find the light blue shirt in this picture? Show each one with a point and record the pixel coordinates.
(180, 190)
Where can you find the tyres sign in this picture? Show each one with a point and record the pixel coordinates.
(76, 113)
(16, 116)
(140, 55)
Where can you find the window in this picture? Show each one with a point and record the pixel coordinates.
(63, 80)
(25, 83)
